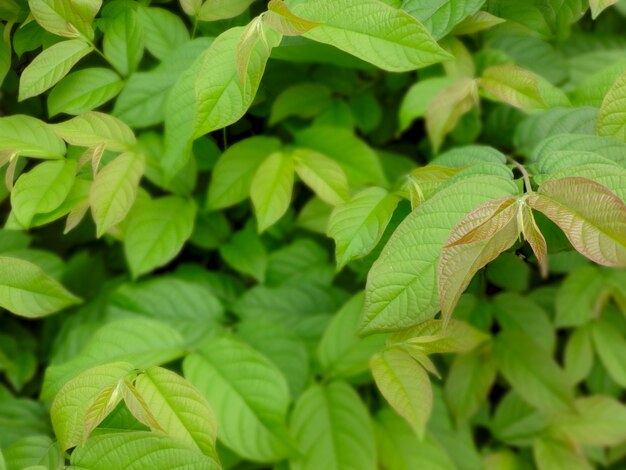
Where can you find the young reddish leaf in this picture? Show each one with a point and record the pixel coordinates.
(535, 238)
(280, 18)
(590, 215)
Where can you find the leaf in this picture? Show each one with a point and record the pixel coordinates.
(441, 17)
(535, 238)
(515, 422)
(66, 18)
(42, 189)
(123, 42)
(30, 137)
(114, 189)
(610, 121)
(610, 345)
(333, 430)
(418, 98)
(248, 393)
(359, 224)
(138, 407)
(213, 10)
(590, 215)
(271, 188)
(179, 408)
(521, 88)
(447, 107)
(304, 100)
(405, 386)
(138, 449)
(280, 18)
(532, 372)
(580, 297)
(83, 91)
(599, 421)
(598, 6)
(468, 383)
(83, 402)
(27, 291)
(401, 286)
(578, 355)
(388, 38)
(246, 253)
(551, 452)
(50, 66)
(94, 128)
(163, 31)
(322, 174)
(137, 341)
(156, 232)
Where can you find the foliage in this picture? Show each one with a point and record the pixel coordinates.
(313, 234)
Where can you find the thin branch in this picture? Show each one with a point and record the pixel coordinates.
(524, 172)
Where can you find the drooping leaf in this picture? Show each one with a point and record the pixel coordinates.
(271, 187)
(27, 291)
(94, 128)
(590, 215)
(51, 66)
(156, 232)
(388, 38)
(332, 429)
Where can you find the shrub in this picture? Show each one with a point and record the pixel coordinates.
(248, 234)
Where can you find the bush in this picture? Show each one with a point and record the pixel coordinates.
(249, 235)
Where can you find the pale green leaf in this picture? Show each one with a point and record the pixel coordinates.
(322, 174)
(30, 137)
(271, 187)
(138, 450)
(478, 22)
(591, 216)
(358, 225)
(213, 10)
(418, 98)
(27, 291)
(611, 118)
(114, 189)
(246, 253)
(610, 345)
(94, 128)
(304, 100)
(532, 372)
(580, 297)
(578, 355)
(5, 57)
(138, 341)
(50, 66)
(248, 393)
(179, 408)
(75, 408)
(123, 42)
(402, 285)
(440, 17)
(515, 422)
(67, 18)
(280, 18)
(385, 36)
(83, 91)
(164, 32)
(405, 385)
(35, 452)
(157, 231)
(42, 189)
(598, 6)
(333, 430)
(553, 453)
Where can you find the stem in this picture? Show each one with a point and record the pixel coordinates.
(524, 172)
(106, 59)
(195, 27)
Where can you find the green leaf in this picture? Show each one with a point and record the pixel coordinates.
(248, 393)
(405, 386)
(280, 18)
(156, 232)
(611, 118)
(29, 136)
(94, 128)
(50, 66)
(138, 449)
(304, 100)
(578, 354)
(333, 430)
(213, 10)
(515, 422)
(164, 32)
(271, 188)
(36, 452)
(246, 253)
(401, 289)
(83, 402)
(418, 98)
(179, 408)
(66, 18)
(598, 6)
(42, 189)
(441, 17)
(27, 291)
(358, 225)
(322, 174)
(123, 42)
(552, 453)
(138, 341)
(387, 37)
(580, 298)
(83, 91)
(521, 88)
(5, 58)
(599, 421)
(234, 171)
(469, 381)
(532, 372)
(610, 345)
(341, 352)
(591, 216)
(358, 160)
